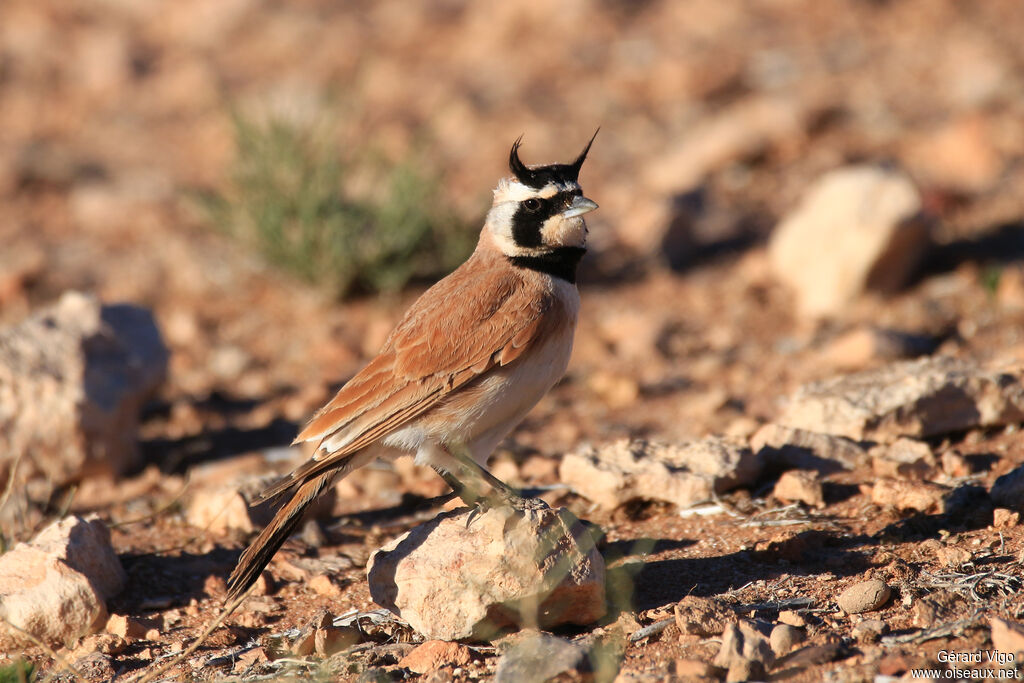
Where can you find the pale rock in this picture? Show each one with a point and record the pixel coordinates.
(701, 616)
(792, 618)
(806, 450)
(106, 643)
(784, 638)
(864, 596)
(321, 584)
(952, 556)
(56, 586)
(903, 459)
(131, 628)
(1004, 519)
(435, 654)
(539, 657)
(856, 229)
(800, 486)
(73, 378)
(683, 474)
(745, 652)
(1007, 636)
(1008, 490)
(525, 565)
(922, 496)
(918, 398)
(222, 495)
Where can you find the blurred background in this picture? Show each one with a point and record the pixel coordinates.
(789, 190)
(277, 180)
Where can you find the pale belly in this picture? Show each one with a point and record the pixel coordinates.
(480, 415)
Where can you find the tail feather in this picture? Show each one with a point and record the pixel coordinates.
(259, 553)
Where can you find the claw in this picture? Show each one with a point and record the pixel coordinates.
(482, 506)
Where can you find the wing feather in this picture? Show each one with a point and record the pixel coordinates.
(481, 316)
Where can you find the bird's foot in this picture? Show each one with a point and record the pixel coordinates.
(504, 496)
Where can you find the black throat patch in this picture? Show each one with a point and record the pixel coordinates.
(561, 262)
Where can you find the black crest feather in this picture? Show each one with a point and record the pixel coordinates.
(539, 176)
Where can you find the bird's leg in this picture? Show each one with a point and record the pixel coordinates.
(499, 489)
(458, 488)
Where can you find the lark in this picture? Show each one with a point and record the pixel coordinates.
(465, 364)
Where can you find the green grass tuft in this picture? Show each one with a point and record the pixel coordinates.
(19, 671)
(291, 197)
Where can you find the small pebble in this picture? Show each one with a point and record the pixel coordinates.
(864, 596)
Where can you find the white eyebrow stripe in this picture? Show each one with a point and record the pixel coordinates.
(510, 190)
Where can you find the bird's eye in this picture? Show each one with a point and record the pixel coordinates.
(532, 205)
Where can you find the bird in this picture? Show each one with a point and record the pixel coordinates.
(465, 363)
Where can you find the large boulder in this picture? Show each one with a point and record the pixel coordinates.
(72, 380)
(471, 575)
(858, 228)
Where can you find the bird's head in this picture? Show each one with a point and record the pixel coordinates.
(540, 208)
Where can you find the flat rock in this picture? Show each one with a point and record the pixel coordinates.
(806, 450)
(864, 596)
(857, 228)
(540, 657)
(683, 474)
(56, 586)
(919, 399)
(72, 380)
(529, 565)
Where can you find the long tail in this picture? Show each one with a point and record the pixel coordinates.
(259, 553)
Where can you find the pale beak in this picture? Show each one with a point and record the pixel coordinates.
(580, 205)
